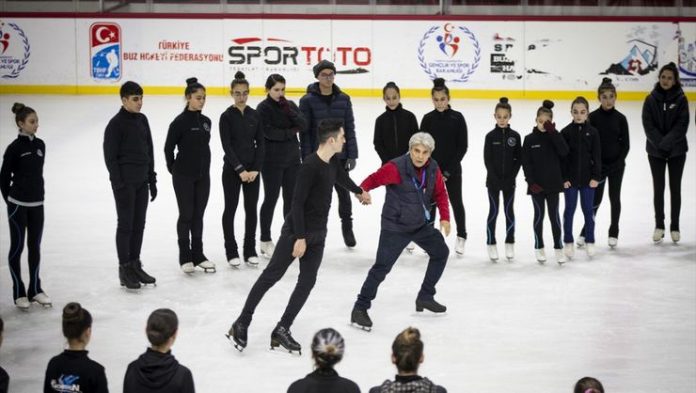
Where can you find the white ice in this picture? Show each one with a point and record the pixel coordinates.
(626, 317)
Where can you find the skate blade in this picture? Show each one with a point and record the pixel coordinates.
(282, 350)
(510, 259)
(236, 345)
(44, 305)
(209, 270)
(361, 327)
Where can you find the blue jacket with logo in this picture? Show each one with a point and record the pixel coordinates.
(406, 203)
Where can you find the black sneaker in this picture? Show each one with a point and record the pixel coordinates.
(142, 276)
(127, 275)
(360, 318)
(348, 236)
(430, 305)
(238, 334)
(282, 337)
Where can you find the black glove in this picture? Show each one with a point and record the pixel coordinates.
(284, 105)
(350, 164)
(550, 127)
(153, 191)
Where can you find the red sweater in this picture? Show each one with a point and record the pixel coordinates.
(389, 174)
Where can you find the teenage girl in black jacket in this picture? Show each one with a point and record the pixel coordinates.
(394, 127)
(22, 187)
(666, 120)
(543, 150)
(241, 132)
(189, 133)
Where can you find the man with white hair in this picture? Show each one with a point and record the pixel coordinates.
(414, 182)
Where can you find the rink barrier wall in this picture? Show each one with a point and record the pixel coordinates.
(481, 56)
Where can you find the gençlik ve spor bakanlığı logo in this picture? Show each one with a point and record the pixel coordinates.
(450, 52)
(105, 51)
(14, 50)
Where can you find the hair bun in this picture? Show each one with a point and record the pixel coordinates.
(548, 104)
(18, 106)
(439, 82)
(671, 64)
(239, 75)
(606, 80)
(504, 100)
(191, 81)
(72, 312)
(390, 84)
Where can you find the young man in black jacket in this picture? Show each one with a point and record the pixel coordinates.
(130, 160)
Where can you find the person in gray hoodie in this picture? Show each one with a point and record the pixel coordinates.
(157, 370)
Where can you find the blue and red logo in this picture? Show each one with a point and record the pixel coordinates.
(105, 51)
(14, 50)
(450, 52)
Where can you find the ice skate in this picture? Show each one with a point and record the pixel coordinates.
(361, 319)
(42, 299)
(348, 236)
(238, 335)
(128, 277)
(591, 251)
(613, 242)
(569, 250)
(459, 246)
(188, 268)
(22, 303)
(493, 252)
(658, 235)
(252, 260)
(540, 255)
(561, 256)
(430, 305)
(509, 251)
(267, 248)
(281, 337)
(207, 266)
(140, 274)
(581, 241)
(411, 246)
(234, 261)
(676, 236)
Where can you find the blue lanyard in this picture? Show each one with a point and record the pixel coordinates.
(420, 187)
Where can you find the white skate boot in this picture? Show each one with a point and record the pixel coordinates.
(267, 248)
(676, 236)
(22, 303)
(207, 266)
(509, 251)
(188, 268)
(493, 252)
(561, 257)
(580, 242)
(252, 260)
(569, 250)
(658, 235)
(540, 255)
(42, 299)
(613, 242)
(591, 251)
(235, 262)
(459, 247)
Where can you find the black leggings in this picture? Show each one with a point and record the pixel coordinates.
(675, 165)
(192, 197)
(508, 209)
(231, 184)
(275, 177)
(614, 179)
(29, 220)
(552, 203)
(454, 191)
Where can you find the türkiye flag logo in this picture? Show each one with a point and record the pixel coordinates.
(105, 51)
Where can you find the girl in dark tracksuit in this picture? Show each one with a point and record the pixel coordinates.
(502, 154)
(666, 120)
(394, 127)
(582, 171)
(22, 186)
(282, 121)
(614, 138)
(189, 133)
(241, 132)
(448, 128)
(543, 150)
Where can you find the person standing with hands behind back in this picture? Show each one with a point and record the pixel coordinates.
(242, 138)
(131, 163)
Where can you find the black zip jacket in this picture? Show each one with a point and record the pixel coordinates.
(448, 128)
(280, 130)
(541, 160)
(584, 160)
(242, 139)
(393, 129)
(613, 136)
(665, 121)
(156, 372)
(21, 175)
(502, 154)
(190, 134)
(323, 381)
(73, 371)
(128, 149)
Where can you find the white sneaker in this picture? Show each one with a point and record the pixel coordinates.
(459, 247)
(591, 250)
(22, 303)
(569, 250)
(207, 266)
(42, 299)
(267, 248)
(252, 261)
(613, 242)
(188, 268)
(235, 262)
(658, 235)
(509, 251)
(560, 256)
(580, 242)
(540, 255)
(493, 252)
(676, 236)
(411, 246)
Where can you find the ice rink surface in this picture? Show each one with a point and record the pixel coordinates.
(627, 316)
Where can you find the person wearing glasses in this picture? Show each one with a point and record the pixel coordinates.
(325, 100)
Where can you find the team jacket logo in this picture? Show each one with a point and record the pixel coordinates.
(14, 50)
(449, 52)
(105, 51)
(512, 142)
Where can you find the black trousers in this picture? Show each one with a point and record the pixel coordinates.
(25, 220)
(345, 207)
(552, 203)
(192, 197)
(232, 185)
(614, 180)
(131, 208)
(675, 165)
(494, 208)
(454, 191)
(276, 177)
(280, 261)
